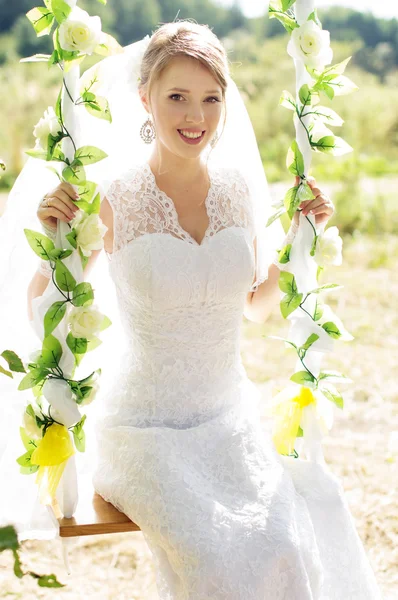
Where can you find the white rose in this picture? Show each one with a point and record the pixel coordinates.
(90, 231)
(85, 321)
(93, 393)
(311, 44)
(329, 248)
(80, 32)
(33, 431)
(47, 124)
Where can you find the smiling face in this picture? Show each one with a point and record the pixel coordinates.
(197, 109)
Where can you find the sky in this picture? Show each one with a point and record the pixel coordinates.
(380, 8)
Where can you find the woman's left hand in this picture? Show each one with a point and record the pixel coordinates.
(321, 206)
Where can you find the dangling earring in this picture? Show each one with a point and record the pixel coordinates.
(214, 140)
(147, 131)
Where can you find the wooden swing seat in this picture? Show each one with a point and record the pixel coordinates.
(93, 516)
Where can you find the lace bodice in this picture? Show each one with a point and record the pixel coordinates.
(141, 208)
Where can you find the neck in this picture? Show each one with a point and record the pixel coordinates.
(186, 170)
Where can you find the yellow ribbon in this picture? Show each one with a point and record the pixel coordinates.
(288, 419)
(51, 455)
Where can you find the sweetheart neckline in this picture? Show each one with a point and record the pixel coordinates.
(116, 253)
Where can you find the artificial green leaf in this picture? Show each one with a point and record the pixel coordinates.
(333, 395)
(54, 316)
(295, 159)
(331, 329)
(79, 435)
(305, 95)
(64, 278)
(275, 216)
(72, 61)
(72, 236)
(288, 22)
(302, 377)
(284, 254)
(290, 200)
(289, 303)
(83, 294)
(88, 155)
(25, 438)
(13, 360)
(84, 259)
(36, 58)
(76, 345)
(74, 173)
(325, 144)
(41, 19)
(93, 343)
(286, 4)
(37, 153)
(287, 100)
(86, 191)
(314, 17)
(95, 206)
(106, 322)
(99, 108)
(337, 69)
(310, 340)
(61, 10)
(51, 351)
(108, 46)
(318, 310)
(31, 379)
(287, 282)
(304, 192)
(40, 243)
(334, 376)
(5, 372)
(326, 286)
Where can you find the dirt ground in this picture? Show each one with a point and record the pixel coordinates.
(119, 566)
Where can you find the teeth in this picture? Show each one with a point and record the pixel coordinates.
(190, 134)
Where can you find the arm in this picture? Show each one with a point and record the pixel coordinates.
(41, 278)
(260, 304)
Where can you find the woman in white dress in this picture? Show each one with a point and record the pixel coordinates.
(180, 449)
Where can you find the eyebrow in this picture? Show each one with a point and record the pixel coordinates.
(187, 91)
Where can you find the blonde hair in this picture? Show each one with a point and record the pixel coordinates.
(186, 38)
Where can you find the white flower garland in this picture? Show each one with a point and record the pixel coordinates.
(303, 410)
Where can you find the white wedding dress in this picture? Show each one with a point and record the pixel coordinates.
(180, 446)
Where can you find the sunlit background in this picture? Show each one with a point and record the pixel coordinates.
(363, 186)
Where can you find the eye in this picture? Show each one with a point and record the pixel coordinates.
(211, 97)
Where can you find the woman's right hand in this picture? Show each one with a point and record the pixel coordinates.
(58, 204)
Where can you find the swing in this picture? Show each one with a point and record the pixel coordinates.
(93, 516)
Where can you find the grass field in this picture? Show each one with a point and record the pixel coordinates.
(119, 566)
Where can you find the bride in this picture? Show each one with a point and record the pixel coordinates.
(180, 448)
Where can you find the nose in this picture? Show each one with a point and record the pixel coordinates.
(195, 114)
